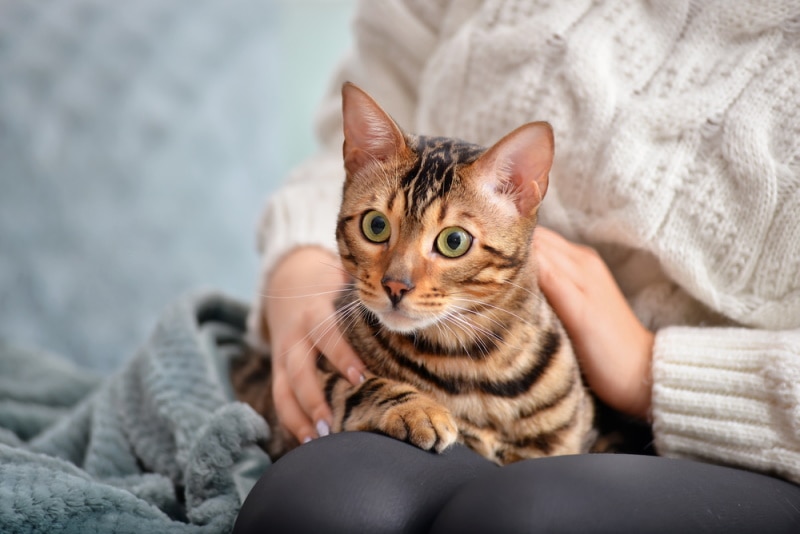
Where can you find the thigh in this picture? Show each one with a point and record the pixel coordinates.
(621, 493)
(357, 482)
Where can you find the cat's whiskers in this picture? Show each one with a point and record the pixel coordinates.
(464, 312)
(535, 294)
(468, 313)
(469, 329)
(455, 319)
(326, 323)
(482, 309)
(465, 315)
(343, 270)
(444, 324)
(330, 288)
(330, 322)
(344, 318)
(305, 295)
(500, 309)
(486, 332)
(349, 313)
(347, 317)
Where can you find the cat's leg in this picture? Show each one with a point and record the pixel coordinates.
(514, 441)
(393, 408)
(490, 444)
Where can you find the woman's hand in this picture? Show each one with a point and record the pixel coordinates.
(615, 350)
(301, 321)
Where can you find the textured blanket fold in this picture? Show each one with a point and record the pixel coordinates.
(157, 447)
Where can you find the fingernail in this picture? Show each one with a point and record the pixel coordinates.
(323, 428)
(306, 439)
(354, 375)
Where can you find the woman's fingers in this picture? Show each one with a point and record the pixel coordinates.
(301, 316)
(613, 347)
(324, 339)
(329, 340)
(559, 278)
(301, 371)
(289, 412)
(568, 259)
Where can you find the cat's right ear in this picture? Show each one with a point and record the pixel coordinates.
(370, 134)
(518, 166)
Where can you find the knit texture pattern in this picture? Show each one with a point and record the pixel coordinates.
(158, 447)
(677, 130)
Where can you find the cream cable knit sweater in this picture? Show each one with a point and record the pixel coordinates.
(678, 157)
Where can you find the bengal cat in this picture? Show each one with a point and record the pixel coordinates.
(444, 308)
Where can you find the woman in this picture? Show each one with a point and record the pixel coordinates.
(678, 157)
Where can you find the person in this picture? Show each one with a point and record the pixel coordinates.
(668, 241)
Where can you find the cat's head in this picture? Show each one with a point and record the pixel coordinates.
(429, 228)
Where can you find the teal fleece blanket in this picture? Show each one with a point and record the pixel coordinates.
(157, 447)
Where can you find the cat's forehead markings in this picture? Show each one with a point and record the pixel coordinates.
(442, 212)
(466, 215)
(396, 197)
(453, 214)
(434, 170)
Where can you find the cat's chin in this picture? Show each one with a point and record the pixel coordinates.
(402, 323)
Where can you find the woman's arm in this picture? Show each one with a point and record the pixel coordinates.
(614, 348)
(729, 395)
(726, 395)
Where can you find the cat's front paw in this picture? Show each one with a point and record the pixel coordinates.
(421, 422)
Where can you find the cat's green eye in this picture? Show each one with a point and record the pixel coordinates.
(376, 227)
(453, 242)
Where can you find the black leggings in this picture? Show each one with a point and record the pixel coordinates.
(358, 482)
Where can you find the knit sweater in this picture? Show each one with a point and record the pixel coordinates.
(677, 129)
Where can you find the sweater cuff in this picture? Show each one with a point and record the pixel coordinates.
(728, 395)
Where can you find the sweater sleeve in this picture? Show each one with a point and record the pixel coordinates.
(393, 40)
(729, 395)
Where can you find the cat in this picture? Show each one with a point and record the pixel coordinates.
(444, 308)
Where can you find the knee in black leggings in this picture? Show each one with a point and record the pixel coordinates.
(621, 493)
(359, 482)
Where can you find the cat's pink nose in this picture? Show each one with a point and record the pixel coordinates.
(396, 289)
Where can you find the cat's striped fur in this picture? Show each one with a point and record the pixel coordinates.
(459, 348)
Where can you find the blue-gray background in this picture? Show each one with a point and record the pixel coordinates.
(138, 141)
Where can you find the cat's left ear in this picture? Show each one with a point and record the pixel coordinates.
(519, 165)
(370, 134)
